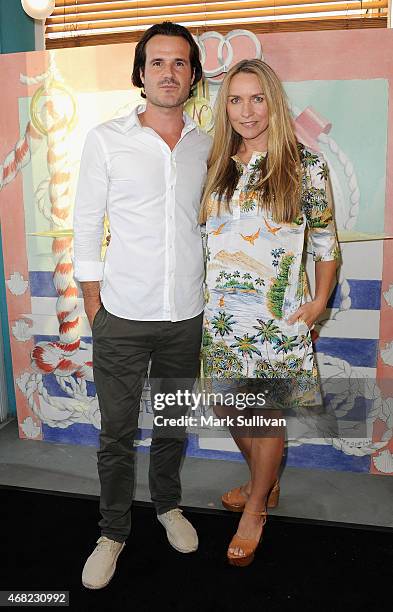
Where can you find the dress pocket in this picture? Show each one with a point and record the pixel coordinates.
(303, 328)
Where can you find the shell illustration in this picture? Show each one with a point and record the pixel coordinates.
(387, 354)
(21, 330)
(384, 462)
(388, 295)
(17, 284)
(29, 428)
(22, 382)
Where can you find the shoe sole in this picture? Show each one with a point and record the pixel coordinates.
(102, 586)
(181, 550)
(233, 508)
(241, 561)
(245, 560)
(96, 588)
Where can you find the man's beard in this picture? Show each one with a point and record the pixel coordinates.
(167, 103)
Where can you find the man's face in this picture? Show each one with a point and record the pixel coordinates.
(168, 75)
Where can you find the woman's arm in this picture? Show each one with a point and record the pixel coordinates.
(325, 274)
(323, 241)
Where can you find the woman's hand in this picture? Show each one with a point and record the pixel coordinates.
(309, 313)
(325, 272)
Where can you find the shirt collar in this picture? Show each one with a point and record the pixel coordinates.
(132, 120)
(256, 156)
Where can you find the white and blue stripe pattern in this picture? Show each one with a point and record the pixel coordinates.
(353, 338)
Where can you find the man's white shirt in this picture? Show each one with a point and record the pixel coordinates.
(153, 268)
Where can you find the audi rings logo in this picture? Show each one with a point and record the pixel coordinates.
(223, 65)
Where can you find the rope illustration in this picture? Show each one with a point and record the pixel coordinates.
(60, 357)
(350, 173)
(20, 155)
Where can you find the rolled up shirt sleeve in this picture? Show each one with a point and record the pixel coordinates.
(89, 210)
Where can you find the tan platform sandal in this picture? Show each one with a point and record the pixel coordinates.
(247, 546)
(235, 499)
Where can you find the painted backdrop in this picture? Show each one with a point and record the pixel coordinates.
(338, 84)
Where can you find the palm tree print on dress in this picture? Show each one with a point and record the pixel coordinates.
(276, 254)
(271, 336)
(233, 282)
(220, 361)
(248, 201)
(276, 293)
(246, 347)
(324, 172)
(268, 332)
(222, 323)
(285, 343)
(314, 199)
(254, 172)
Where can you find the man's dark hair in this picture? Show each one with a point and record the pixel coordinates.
(166, 28)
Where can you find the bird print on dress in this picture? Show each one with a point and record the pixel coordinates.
(270, 228)
(219, 229)
(252, 237)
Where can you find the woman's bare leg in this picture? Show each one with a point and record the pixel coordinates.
(265, 459)
(243, 443)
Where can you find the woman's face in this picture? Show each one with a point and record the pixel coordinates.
(247, 108)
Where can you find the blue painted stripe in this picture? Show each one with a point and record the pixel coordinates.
(318, 456)
(41, 284)
(357, 351)
(43, 338)
(54, 389)
(6, 337)
(364, 294)
(311, 456)
(307, 455)
(78, 433)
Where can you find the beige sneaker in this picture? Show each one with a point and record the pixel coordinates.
(181, 534)
(100, 566)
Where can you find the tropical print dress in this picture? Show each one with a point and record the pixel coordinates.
(255, 279)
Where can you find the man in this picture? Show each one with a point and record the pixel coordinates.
(145, 302)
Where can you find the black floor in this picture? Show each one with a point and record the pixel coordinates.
(47, 538)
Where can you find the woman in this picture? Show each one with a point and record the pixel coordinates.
(264, 193)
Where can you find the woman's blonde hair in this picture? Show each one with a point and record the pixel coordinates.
(279, 180)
